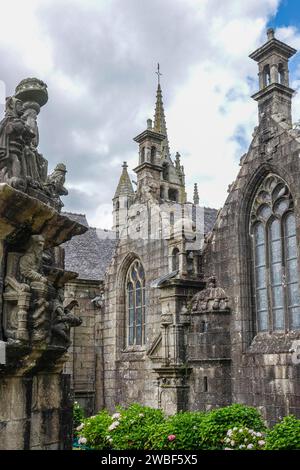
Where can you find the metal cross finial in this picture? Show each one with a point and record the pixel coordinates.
(158, 73)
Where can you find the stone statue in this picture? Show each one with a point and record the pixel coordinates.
(55, 184)
(14, 132)
(63, 320)
(36, 165)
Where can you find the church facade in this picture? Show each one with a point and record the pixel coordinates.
(202, 309)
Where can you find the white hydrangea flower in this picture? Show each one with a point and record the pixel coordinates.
(232, 443)
(258, 434)
(116, 416)
(141, 415)
(235, 429)
(227, 448)
(242, 446)
(113, 425)
(81, 426)
(250, 446)
(261, 442)
(82, 440)
(229, 432)
(241, 430)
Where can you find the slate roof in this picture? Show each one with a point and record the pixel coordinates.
(210, 216)
(89, 254)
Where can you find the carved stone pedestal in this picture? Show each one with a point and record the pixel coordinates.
(35, 400)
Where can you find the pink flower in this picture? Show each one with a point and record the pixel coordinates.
(171, 437)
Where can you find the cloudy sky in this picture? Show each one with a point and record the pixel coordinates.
(99, 57)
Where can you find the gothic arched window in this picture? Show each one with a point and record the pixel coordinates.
(276, 279)
(135, 286)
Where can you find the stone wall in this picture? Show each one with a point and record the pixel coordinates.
(85, 353)
(36, 412)
(128, 374)
(263, 373)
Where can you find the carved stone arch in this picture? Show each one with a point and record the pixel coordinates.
(121, 299)
(244, 243)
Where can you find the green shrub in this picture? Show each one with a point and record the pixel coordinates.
(284, 435)
(131, 428)
(216, 423)
(78, 416)
(94, 431)
(180, 431)
(243, 438)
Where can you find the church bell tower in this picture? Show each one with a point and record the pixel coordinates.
(274, 95)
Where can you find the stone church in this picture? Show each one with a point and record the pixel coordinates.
(192, 308)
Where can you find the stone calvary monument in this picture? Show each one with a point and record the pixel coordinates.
(35, 401)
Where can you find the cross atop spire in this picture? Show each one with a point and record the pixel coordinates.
(158, 73)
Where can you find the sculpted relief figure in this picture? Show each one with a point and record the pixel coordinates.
(30, 263)
(30, 271)
(63, 320)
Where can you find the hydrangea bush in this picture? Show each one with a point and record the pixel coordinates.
(234, 427)
(284, 435)
(180, 431)
(243, 438)
(93, 431)
(214, 426)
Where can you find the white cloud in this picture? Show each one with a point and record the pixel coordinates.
(98, 58)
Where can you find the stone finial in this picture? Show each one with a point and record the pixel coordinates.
(149, 123)
(270, 34)
(32, 89)
(196, 194)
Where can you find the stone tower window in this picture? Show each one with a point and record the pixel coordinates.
(135, 286)
(175, 259)
(153, 155)
(281, 75)
(276, 279)
(143, 155)
(266, 75)
(173, 194)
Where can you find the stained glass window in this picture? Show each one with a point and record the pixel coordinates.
(273, 229)
(135, 285)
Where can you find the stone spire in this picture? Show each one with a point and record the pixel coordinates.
(124, 187)
(196, 194)
(159, 118)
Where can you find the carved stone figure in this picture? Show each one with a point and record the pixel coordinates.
(30, 271)
(55, 184)
(14, 132)
(63, 320)
(30, 262)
